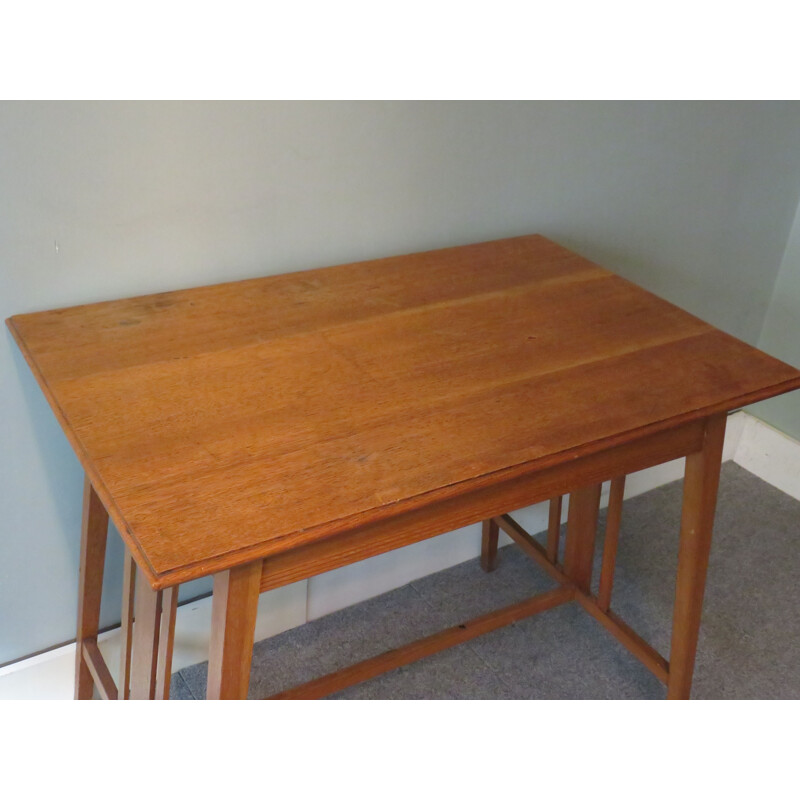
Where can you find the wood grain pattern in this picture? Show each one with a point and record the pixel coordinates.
(231, 422)
(697, 521)
(94, 534)
(494, 497)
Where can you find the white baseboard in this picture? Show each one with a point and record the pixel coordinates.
(769, 454)
(752, 444)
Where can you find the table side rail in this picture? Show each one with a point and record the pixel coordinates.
(485, 503)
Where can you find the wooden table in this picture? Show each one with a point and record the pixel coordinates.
(269, 430)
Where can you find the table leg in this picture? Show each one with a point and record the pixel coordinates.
(613, 519)
(554, 528)
(94, 533)
(126, 626)
(147, 613)
(233, 621)
(166, 641)
(584, 508)
(700, 484)
(489, 538)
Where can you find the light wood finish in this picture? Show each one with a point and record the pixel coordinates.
(126, 625)
(233, 622)
(554, 528)
(699, 503)
(584, 507)
(455, 512)
(318, 402)
(489, 539)
(99, 669)
(272, 429)
(147, 610)
(407, 654)
(613, 520)
(166, 641)
(94, 534)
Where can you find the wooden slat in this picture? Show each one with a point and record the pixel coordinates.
(147, 610)
(126, 626)
(99, 669)
(584, 507)
(166, 641)
(697, 521)
(327, 400)
(94, 534)
(613, 519)
(407, 654)
(233, 620)
(362, 542)
(621, 631)
(489, 537)
(530, 546)
(554, 528)
(624, 634)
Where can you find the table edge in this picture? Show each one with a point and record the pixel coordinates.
(209, 566)
(100, 488)
(333, 528)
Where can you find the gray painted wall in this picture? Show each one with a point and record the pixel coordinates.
(101, 200)
(781, 336)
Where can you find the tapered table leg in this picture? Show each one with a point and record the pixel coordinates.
(126, 626)
(700, 485)
(554, 528)
(489, 538)
(147, 613)
(613, 520)
(233, 621)
(166, 641)
(94, 533)
(584, 508)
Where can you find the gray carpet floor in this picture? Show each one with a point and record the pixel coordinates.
(749, 642)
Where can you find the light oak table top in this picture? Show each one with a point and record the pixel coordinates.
(232, 422)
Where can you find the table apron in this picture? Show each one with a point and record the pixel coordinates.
(481, 504)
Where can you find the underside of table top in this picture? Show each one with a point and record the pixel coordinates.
(252, 417)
